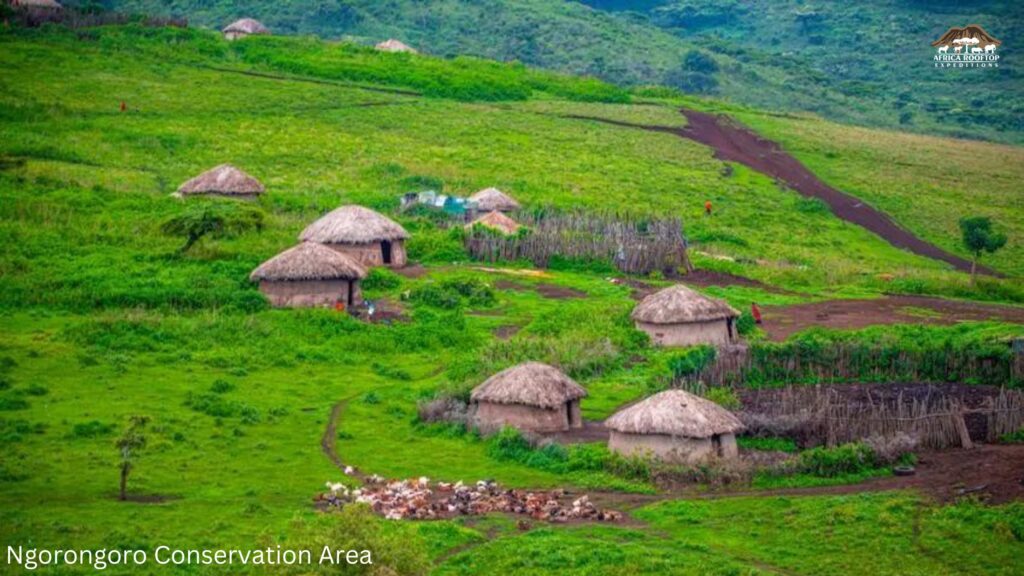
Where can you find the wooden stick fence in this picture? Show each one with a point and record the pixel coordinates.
(634, 246)
(936, 420)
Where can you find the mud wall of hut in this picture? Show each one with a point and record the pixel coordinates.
(490, 417)
(310, 293)
(373, 254)
(715, 332)
(674, 449)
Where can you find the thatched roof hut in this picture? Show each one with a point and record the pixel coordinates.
(392, 45)
(370, 238)
(224, 180)
(675, 413)
(244, 27)
(309, 261)
(532, 396)
(679, 316)
(491, 199)
(310, 274)
(676, 426)
(41, 5)
(496, 221)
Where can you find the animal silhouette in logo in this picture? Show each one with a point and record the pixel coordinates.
(968, 40)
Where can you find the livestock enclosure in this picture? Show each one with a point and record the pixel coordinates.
(630, 244)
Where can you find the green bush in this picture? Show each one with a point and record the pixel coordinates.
(91, 429)
(455, 293)
(724, 397)
(825, 462)
(1013, 437)
(381, 279)
(691, 361)
(770, 444)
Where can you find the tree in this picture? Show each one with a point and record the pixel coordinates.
(215, 219)
(979, 237)
(131, 441)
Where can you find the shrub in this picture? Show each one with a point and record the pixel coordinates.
(454, 293)
(13, 404)
(37, 390)
(851, 458)
(15, 430)
(745, 324)
(1013, 437)
(381, 279)
(724, 397)
(443, 409)
(91, 429)
(691, 362)
(221, 387)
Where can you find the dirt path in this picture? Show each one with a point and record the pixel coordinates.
(734, 143)
(782, 321)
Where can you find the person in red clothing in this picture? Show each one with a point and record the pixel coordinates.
(755, 312)
(707, 208)
(123, 106)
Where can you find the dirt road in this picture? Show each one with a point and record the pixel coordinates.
(734, 143)
(782, 321)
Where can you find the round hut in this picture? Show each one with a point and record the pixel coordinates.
(392, 45)
(37, 7)
(492, 199)
(674, 426)
(679, 316)
(361, 234)
(244, 27)
(533, 397)
(310, 275)
(224, 180)
(496, 221)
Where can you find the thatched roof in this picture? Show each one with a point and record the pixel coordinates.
(497, 221)
(353, 225)
(680, 305)
(676, 413)
(47, 4)
(247, 26)
(309, 261)
(490, 199)
(224, 179)
(532, 384)
(392, 45)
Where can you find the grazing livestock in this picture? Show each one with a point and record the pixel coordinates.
(943, 49)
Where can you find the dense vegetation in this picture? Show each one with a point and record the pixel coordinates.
(790, 55)
(103, 317)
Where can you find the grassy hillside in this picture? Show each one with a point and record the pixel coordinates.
(776, 55)
(101, 317)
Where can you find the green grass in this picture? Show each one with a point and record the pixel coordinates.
(887, 533)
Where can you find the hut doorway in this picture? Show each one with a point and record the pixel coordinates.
(570, 417)
(385, 251)
(351, 294)
(716, 445)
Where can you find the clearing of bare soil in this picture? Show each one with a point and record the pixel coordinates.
(735, 143)
(782, 321)
(556, 292)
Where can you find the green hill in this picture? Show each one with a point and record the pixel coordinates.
(818, 57)
(103, 317)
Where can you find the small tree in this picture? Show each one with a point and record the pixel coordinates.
(131, 441)
(215, 219)
(979, 237)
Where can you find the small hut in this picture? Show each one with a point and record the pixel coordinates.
(37, 7)
(492, 199)
(496, 221)
(392, 45)
(362, 234)
(674, 426)
(310, 275)
(533, 397)
(244, 27)
(224, 180)
(679, 316)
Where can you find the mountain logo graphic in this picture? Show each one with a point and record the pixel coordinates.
(967, 47)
